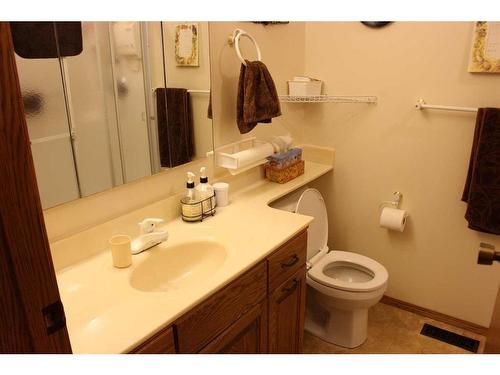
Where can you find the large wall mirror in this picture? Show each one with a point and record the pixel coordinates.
(108, 103)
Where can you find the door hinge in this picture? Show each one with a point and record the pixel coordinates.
(54, 317)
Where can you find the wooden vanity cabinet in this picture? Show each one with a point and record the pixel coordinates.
(286, 315)
(248, 335)
(204, 323)
(262, 311)
(161, 343)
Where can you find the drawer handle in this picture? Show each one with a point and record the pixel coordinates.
(291, 288)
(290, 263)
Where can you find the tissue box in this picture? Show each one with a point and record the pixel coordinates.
(285, 159)
(285, 174)
(304, 87)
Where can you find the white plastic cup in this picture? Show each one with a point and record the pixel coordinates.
(120, 250)
(221, 193)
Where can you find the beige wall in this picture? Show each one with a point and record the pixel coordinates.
(195, 78)
(392, 146)
(282, 49)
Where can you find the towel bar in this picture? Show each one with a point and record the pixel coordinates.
(191, 91)
(421, 105)
(234, 39)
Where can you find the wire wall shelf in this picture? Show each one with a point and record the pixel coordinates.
(328, 99)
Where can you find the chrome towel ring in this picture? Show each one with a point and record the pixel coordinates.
(234, 39)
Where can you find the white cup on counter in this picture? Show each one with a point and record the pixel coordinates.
(120, 250)
(221, 193)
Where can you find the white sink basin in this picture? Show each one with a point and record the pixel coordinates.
(169, 268)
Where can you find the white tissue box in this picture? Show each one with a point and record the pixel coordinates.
(304, 86)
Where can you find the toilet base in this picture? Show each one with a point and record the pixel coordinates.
(347, 328)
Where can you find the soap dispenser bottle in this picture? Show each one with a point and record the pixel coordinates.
(204, 191)
(191, 208)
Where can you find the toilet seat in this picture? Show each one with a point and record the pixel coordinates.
(355, 261)
(311, 203)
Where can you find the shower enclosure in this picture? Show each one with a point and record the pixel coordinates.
(91, 116)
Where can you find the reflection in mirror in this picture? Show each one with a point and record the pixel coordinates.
(131, 104)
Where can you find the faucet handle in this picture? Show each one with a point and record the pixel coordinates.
(149, 224)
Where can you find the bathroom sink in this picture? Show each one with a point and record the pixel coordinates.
(170, 268)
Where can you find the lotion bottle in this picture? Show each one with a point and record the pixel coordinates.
(190, 210)
(203, 191)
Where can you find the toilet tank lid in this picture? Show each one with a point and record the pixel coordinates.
(311, 203)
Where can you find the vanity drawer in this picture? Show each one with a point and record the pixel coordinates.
(199, 326)
(161, 343)
(285, 261)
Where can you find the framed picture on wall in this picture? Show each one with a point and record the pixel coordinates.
(186, 44)
(485, 54)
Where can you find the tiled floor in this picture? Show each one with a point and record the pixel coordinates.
(394, 331)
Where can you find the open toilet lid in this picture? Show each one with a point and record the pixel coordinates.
(311, 203)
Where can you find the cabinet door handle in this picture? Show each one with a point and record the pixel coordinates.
(291, 288)
(291, 262)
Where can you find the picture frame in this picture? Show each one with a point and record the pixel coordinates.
(186, 44)
(485, 52)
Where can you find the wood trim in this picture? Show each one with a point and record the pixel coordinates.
(493, 335)
(464, 324)
(23, 240)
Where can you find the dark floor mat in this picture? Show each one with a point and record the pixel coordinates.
(450, 338)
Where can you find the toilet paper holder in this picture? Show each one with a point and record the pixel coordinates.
(396, 200)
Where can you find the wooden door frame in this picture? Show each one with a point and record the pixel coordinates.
(31, 318)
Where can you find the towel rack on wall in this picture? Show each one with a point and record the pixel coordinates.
(191, 91)
(327, 99)
(422, 105)
(199, 91)
(234, 40)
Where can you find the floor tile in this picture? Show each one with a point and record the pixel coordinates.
(394, 331)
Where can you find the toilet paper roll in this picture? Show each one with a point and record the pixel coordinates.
(393, 219)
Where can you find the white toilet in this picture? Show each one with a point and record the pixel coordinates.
(342, 286)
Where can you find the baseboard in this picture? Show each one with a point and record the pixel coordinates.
(472, 327)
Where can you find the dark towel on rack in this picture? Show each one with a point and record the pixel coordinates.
(209, 109)
(257, 97)
(175, 127)
(482, 187)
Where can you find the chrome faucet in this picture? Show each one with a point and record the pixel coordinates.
(149, 236)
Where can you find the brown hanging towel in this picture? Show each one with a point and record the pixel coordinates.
(257, 97)
(175, 126)
(482, 186)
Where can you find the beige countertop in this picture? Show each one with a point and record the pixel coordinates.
(105, 314)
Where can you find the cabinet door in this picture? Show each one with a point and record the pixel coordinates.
(248, 335)
(217, 313)
(286, 315)
(161, 343)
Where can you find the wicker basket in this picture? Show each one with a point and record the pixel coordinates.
(285, 174)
